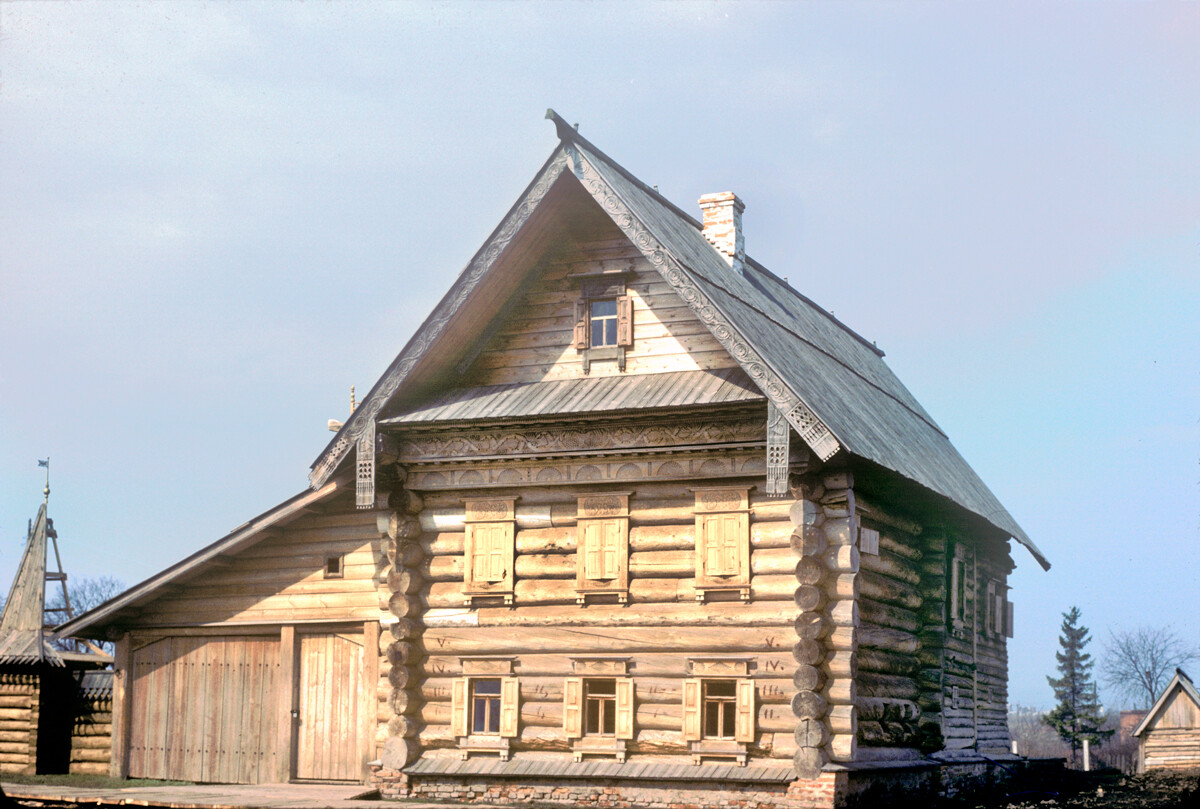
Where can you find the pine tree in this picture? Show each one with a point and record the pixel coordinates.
(1078, 714)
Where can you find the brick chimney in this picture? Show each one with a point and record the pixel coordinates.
(723, 227)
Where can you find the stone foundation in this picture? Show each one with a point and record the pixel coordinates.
(844, 788)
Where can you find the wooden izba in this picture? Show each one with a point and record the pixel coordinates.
(626, 504)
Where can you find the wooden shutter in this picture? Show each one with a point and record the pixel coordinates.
(1008, 619)
(509, 706)
(731, 545)
(744, 726)
(993, 614)
(593, 538)
(610, 552)
(710, 527)
(625, 321)
(624, 708)
(581, 325)
(573, 707)
(497, 551)
(458, 706)
(692, 724)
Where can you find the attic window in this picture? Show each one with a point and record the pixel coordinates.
(603, 319)
(333, 567)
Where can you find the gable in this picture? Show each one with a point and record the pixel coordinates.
(1178, 711)
(283, 577)
(536, 341)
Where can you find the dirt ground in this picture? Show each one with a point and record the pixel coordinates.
(1107, 789)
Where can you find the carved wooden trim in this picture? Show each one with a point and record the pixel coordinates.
(485, 666)
(400, 368)
(722, 515)
(779, 436)
(364, 486)
(603, 511)
(719, 666)
(811, 429)
(600, 666)
(536, 441)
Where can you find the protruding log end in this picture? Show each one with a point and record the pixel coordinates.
(808, 762)
(399, 752)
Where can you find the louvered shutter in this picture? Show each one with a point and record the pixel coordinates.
(625, 321)
(458, 706)
(744, 727)
(691, 711)
(581, 325)
(624, 708)
(509, 706)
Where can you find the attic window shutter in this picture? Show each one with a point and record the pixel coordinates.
(573, 707)
(625, 321)
(624, 724)
(458, 706)
(509, 706)
(581, 325)
(691, 710)
(744, 727)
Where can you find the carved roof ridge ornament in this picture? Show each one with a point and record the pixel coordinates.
(429, 331)
(811, 429)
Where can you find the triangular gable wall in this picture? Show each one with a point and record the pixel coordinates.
(1177, 707)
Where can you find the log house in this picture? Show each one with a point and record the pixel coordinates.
(1169, 734)
(627, 511)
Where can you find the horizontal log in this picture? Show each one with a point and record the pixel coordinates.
(883, 708)
(770, 664)
(562, 591)
(888, 615)
(844, 613)
(841, 664)
(880, 588)
(808, 678)
(885, 662)
(893, 640)
(545, 566)
(91, 743)
(843, 747)
(887, 734)
(839, 691)
(809, 705)
(892, 566)
(869, 509)
(15, 701)
(89, 768)
(630, 640)
(717, 613)
(871, 684)
(841, 586)
(92, 755)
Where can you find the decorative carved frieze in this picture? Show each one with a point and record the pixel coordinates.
(468, 444)
(477, 666)
(719, 666)
(493, 474)
(600, 666)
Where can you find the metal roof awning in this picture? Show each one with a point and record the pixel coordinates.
(586, 395)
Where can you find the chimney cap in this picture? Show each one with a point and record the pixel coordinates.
(722, 198)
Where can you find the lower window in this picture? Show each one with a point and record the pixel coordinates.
(485, 706)
(719, 702)
(600, 707)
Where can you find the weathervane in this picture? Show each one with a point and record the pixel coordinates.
(46, 463)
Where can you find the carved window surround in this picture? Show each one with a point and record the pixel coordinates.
(600, 666)
(722, 541)
(719, 666)
(483, 666)
(602, 546)
(489, 549)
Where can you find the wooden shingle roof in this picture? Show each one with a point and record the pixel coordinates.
(22, 638)
(831, 384)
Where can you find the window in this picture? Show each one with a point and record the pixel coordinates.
(602, 546)
(999, 620)
(485, 706)
(602, 320)
(722, 542)
(598, 707)
(719, 709)
(333, 567)
(488, 548)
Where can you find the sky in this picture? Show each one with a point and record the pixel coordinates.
(215, 218)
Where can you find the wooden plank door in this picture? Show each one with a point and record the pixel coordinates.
(201, 709)
(330, 701)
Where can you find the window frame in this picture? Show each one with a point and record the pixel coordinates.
(489, 527)
(722, 515)
(607, 512)
(696, 703)
(600, 287)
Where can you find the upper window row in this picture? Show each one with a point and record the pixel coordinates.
(722, 548)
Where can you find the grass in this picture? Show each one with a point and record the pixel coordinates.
(87, 781)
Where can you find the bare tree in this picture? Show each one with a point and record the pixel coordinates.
(1138, 662)
(85, 594)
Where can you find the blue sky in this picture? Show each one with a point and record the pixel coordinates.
(215, 218)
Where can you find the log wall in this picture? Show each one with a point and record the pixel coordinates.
(19, 720)
(661, 628)
(282, 578)
(91, 736)
(536, 343)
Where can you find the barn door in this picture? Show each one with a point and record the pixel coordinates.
(330, 701)
(202, 709)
